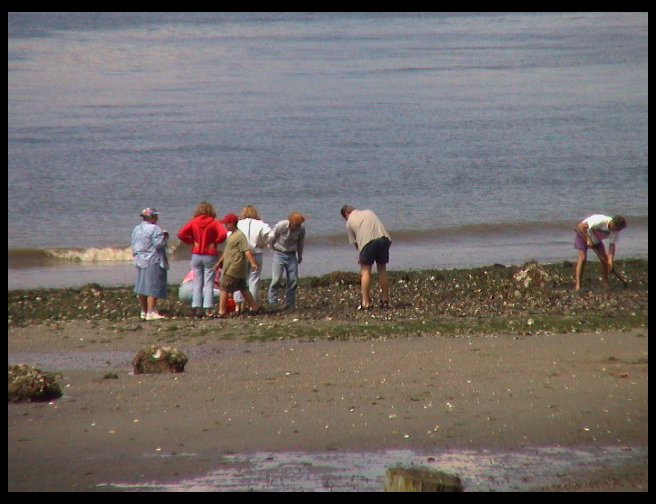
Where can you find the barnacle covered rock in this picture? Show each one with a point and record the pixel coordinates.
(158, 359)
(27, 383)
(531, 274)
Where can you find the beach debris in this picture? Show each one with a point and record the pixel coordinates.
(28, 383)
(157, 359)
(531, 274)
(92, 289)
(420, 479)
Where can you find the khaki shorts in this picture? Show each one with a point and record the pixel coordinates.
(232, 284)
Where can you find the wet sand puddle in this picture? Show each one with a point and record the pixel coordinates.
(79, 360)
(480, 471)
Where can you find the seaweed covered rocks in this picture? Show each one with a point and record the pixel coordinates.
(158, 359)
(27, 383)
(491, 299)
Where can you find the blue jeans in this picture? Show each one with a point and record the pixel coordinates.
(203, 293)
(287, 264)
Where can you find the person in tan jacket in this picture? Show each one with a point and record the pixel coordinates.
(366, 231)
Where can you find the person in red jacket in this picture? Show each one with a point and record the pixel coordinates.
(204, 232)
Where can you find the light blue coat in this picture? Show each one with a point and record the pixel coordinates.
(149, 245)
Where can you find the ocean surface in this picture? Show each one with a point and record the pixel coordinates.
(477, 138)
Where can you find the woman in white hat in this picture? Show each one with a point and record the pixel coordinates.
(149, 251)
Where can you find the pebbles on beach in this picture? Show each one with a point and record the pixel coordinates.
(516, 299)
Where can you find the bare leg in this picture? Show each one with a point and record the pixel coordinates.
(365, 284)
(151, 303)
(143, 304)
(580, 266)
(250, 300)
(383, 280)
(223, 302)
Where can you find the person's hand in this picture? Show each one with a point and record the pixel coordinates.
(254, 266)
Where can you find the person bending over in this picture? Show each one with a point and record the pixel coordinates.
(366, 231)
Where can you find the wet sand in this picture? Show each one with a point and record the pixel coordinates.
(431, 393)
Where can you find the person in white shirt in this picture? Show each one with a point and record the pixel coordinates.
(258, 234)
(590, 233)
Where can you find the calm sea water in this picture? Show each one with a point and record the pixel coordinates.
(477, 138)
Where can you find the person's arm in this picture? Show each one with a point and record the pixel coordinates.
(350, 233)
(133, 241)
(300, 245)
(219, 263)
(265, 236)
(185, 235)
(160, 238)
(611, 255)
(251, 259)
(223, 234)
(584, 230)
(273, 236)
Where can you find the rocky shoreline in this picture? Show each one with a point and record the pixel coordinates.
(512, 299)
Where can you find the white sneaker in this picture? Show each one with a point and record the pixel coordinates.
(154, 316)
(142, 315)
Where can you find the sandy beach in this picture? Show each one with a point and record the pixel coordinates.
(238, 397)
(430, 393)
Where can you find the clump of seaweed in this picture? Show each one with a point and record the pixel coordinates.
(27, 383)
(158, 359)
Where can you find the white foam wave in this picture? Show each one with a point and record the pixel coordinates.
(92, 254)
